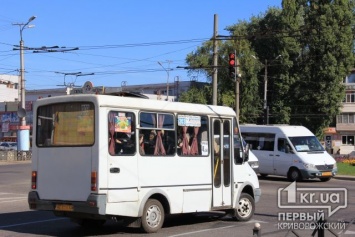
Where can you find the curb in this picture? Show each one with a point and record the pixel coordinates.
(344, 177)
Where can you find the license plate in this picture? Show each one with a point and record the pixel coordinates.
(327, 174)
(64, 207)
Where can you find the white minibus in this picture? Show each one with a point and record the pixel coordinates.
(107, 157)
(291, 151)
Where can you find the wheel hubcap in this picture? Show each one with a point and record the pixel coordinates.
(153, 216)
(245, 207)
(294, 175)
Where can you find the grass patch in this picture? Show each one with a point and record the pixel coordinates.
(345, 169)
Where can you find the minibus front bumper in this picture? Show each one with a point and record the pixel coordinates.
(94, 205)
(311, 174)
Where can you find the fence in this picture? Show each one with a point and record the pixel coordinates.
(15, 155)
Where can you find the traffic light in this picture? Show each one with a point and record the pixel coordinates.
(231, 65)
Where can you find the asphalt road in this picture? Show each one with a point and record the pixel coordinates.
(17, 220)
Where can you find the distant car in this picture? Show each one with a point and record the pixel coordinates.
(252, 159)
(8, 146)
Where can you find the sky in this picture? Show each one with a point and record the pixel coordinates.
(120, 42)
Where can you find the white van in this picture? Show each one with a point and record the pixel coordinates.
(105, 157)
(291, 151)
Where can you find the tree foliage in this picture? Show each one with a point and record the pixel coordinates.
(304, 85)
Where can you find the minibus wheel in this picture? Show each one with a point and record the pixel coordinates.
(263, 175)
(294, 175)
(245, 209)
(153, 216)
(325, 179)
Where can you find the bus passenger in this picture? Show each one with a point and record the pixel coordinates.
(151, 143)
(141, 144)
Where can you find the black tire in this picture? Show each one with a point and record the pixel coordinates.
(153, 216)
(325, 179)
(263, 175)
(294, 175)
(245, 209)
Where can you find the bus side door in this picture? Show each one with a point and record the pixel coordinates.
(122, 169)
(221, 162)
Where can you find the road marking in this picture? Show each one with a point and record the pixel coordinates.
(32, 222)
(219, 228)
(3, 200)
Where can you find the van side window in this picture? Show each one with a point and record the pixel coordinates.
(192, 135)
(121, 133)
(158, 131)
(281, 145)
(260, 141)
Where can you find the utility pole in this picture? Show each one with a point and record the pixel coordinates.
(266, 107)
(237, 82)
(266, 116)
(23, 134)
(167, 81)
(215, 60)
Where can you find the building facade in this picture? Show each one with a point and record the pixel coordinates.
(340, 139)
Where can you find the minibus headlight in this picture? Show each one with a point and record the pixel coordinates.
(309, 166)
(335, 166)
(254, 164)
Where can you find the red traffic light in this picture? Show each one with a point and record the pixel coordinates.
(231, 59)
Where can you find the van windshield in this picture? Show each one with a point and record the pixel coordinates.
(305, 144)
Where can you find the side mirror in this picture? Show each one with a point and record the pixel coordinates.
(288, 149)
(246, 152)
(238, 155)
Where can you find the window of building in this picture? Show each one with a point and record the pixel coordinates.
(346, 118)
(350, 97)
(347, 139)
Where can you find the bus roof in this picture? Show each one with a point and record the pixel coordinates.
(289, 130)
(139, 103)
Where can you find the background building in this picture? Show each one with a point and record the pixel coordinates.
(9, 119)
(340, 140)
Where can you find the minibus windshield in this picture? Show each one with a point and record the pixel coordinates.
(306, 144)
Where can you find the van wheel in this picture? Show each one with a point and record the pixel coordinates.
(325, 179)
(263, 175)
(294, 175)
(153, 216)
(245, 209)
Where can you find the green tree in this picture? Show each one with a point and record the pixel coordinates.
(325, 60)
(198, 95)
(315, 39)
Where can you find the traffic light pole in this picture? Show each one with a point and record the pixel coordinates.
(237, 81)
(215, 61)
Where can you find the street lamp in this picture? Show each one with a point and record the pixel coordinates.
(23, 130)
(167, 82)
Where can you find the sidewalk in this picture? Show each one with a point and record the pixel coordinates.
(5, 162)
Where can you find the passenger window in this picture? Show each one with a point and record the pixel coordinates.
(260, 141)
(121, 132)
(192, 133)
(158, 132)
